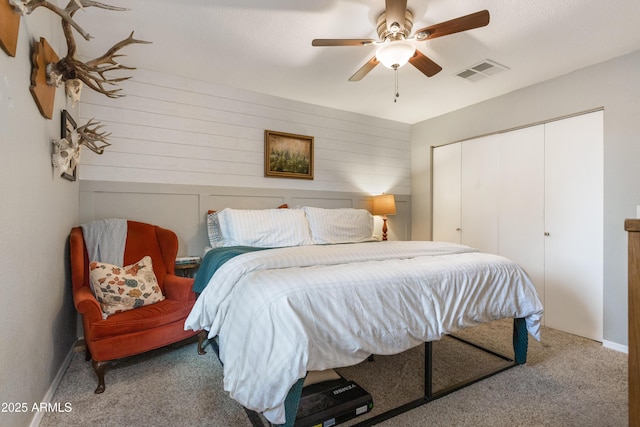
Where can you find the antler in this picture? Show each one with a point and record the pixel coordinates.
(91, 137)
(91, 73)
(25, 7)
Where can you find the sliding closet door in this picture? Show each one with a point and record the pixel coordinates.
(521, 201)
(446, 193)
(574, 225)
(480, 171)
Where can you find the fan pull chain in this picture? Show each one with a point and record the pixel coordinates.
(395, 69)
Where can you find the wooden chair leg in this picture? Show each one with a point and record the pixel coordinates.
(99, 368)
(202, 337)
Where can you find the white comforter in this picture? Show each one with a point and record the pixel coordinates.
(282, 312)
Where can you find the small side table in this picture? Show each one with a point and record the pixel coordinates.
(187, 270)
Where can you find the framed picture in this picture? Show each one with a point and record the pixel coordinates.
(68, 126)
(287, 155)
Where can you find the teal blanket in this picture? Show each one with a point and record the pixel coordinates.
(213, 260)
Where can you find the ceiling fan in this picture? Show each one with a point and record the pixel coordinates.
(395, 49)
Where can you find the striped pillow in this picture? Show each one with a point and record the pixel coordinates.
(343, 225)
(264, 228)
(216, 240)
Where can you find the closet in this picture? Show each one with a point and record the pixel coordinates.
(534, 195)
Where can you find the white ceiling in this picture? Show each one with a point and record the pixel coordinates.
(265, 46)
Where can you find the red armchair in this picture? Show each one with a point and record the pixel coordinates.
(141, 329)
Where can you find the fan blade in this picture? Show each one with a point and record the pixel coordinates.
(364, 70)
(342, 42)
(395, 12)
(464, 23)
(424, 64)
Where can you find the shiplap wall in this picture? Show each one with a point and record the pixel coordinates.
(169, 129)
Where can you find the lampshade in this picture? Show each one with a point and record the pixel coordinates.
(384, 204)
(395, 54)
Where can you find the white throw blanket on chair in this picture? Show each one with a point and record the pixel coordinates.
(105, 240)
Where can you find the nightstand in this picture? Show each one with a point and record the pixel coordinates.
(187, 266)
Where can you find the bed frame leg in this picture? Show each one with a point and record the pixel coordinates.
(520, 341)
(428, 370)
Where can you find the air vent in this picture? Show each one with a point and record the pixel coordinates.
(481, 70)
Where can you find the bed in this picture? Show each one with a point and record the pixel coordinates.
(309, 289)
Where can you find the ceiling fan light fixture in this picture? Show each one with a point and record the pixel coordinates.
(395, 54)
(422, 35)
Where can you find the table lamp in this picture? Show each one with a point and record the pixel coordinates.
(384, 204)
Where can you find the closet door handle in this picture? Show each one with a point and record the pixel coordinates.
(546, 233)
(458, 229)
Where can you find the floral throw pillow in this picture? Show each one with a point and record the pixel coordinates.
(124, 288)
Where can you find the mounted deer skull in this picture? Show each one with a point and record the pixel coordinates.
(25, 7)
(73, 88)
(66, 154)
(66, 151)
(90, 73)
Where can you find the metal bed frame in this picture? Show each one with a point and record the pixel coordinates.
(520, 344)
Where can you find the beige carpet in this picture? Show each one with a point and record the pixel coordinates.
(567, 381)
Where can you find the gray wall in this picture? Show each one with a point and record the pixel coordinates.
(614, 85)
(37, 212)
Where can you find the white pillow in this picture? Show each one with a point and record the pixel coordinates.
(343, 225)
(264, 228)
(213, 230)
